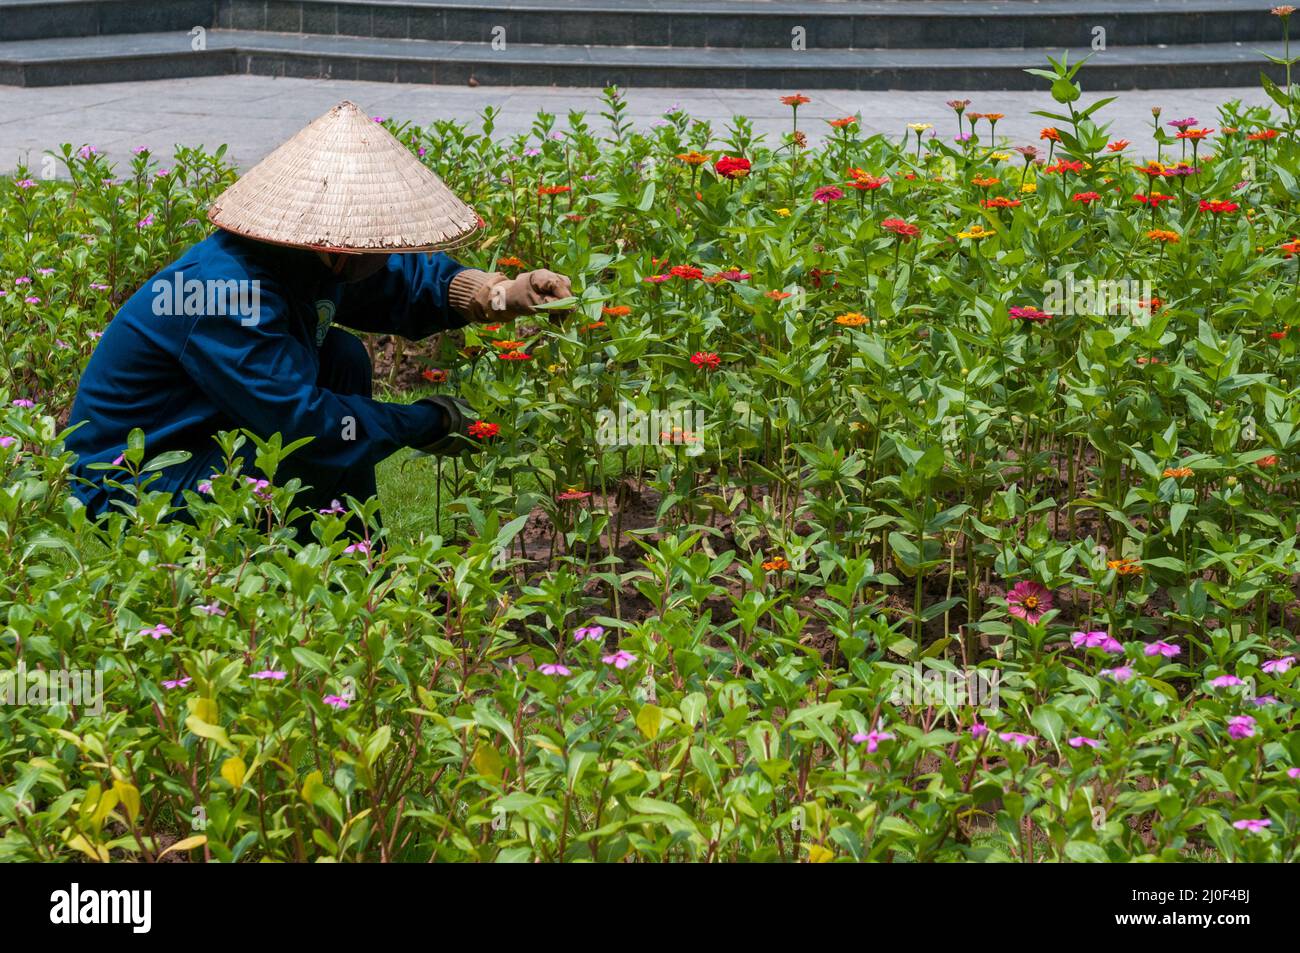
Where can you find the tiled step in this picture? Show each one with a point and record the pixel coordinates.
(748, 24)
(41, 19)
(99, 59)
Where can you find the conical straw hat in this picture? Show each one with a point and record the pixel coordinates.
(345, 184)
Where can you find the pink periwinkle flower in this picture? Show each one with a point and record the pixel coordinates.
(1078, 741)
(335, 508)
(554, 668)
(872, 739)
(177, 682)
(1241, 726)
(978, 730)
(361, 546)
(1121, 673)
(157, 631)
(23, 402)
(593, 632)
(1096, 640)
(1225, 681)
(270, 674)
(1017, 738)
(336, 701)
(620, 659)
(1252, 824)
(1278, 666)
(1167, 649)
(211, 609)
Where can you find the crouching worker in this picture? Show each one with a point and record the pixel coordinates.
(331, 228)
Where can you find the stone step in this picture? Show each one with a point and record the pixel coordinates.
(99, 59)
(748, 24)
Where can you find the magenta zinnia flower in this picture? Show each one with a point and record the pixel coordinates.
(1029, 600)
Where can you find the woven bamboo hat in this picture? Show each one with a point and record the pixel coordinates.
(345, 184)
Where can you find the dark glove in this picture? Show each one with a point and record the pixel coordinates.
(458, 416)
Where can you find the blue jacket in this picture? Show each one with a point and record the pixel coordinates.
(200, 348)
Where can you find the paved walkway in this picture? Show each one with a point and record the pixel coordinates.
(253, 114)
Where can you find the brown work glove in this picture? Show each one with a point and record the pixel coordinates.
(488, 297)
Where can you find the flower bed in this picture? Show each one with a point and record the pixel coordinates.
(918, 497)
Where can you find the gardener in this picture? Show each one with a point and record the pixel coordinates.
(240, 331)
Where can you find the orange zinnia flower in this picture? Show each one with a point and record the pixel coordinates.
(616, 311)
(1177, 473)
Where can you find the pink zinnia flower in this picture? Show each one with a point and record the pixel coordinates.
(827, 193)
(620, 659)
(872, 739)
(1167, 649)
(1029, 600)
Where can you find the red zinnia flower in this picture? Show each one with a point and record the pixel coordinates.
(482, 430)
(1218, 206)
(434, 376)
(707, 360)
(553, 189)
(732, 167)
(827, 193)
(688, 272)
(1028, 313)
(1085, 198)
(900, 228)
